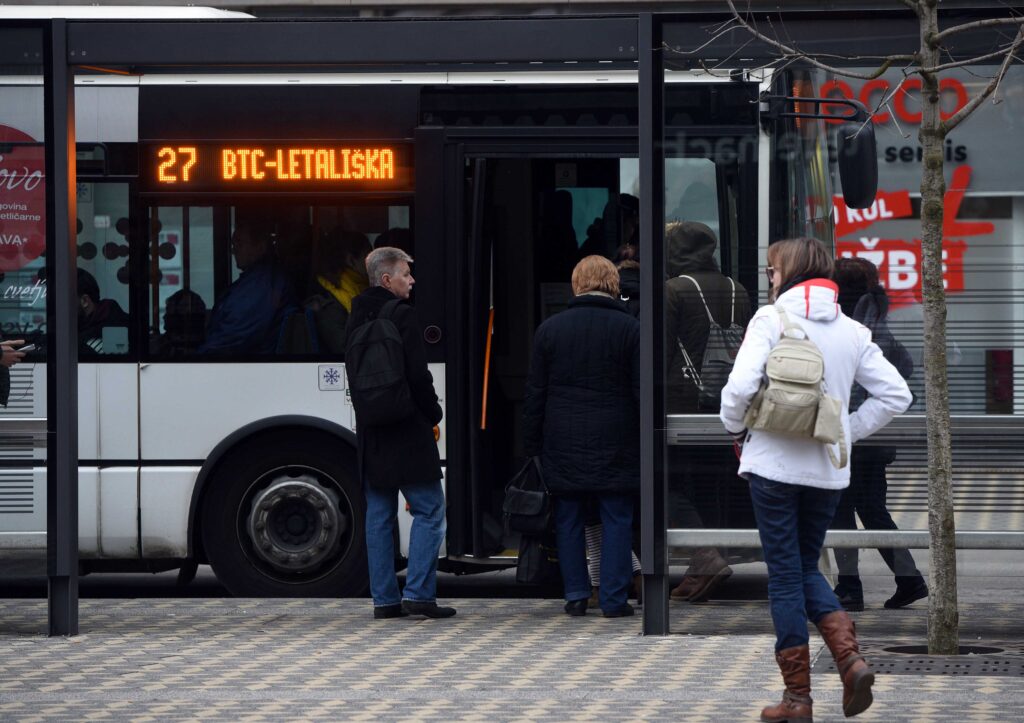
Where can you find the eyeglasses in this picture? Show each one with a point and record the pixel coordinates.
(769, 272)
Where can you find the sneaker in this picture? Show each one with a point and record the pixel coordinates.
(428, 609)
(382, 612)
(906, 595)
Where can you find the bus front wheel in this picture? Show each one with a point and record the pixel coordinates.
(284, 517)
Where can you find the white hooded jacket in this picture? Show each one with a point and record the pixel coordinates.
(850, 356)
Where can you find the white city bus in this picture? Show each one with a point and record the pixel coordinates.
(242, 455)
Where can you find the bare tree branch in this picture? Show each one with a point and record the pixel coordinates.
(970, 61)
(989, 89)
(989, 23)
(789, 52)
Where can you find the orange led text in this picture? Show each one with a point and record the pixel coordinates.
(307, 164)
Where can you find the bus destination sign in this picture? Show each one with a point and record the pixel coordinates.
(276, 167)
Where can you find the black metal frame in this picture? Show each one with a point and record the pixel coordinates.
(61, 336)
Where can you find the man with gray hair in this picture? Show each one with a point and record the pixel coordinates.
(401, 456)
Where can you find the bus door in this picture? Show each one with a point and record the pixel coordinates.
(527, 217)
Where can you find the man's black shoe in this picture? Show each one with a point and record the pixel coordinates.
(429, 609)
(389, 611)
(906, 595)
(624, 612)
(576, 608)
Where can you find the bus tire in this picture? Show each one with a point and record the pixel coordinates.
(284, 517)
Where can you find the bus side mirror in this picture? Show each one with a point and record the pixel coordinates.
(858, 163)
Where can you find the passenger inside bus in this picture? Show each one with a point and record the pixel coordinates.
(184, 323)
(102, 323)
(247, 317)
(340, 272)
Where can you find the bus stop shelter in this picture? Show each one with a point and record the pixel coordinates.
(61, 46)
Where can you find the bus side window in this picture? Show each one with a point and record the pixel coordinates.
(103, 269)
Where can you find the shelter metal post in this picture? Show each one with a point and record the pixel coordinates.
(653, 511)
(61, 336)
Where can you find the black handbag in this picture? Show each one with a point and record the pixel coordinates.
(538, 561)
(527, 505)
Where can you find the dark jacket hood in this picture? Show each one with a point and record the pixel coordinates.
(691, 248)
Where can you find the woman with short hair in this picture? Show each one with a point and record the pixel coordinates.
(581, 417)
(794, 485)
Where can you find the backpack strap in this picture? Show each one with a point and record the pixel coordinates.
(701, 294)
(732, 302)
(790, 329)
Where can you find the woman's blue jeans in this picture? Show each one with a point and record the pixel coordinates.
(617, 543)
(426, 503)
(792, 520)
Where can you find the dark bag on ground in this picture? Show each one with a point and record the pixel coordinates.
(538, 561)
(719, 355)
(375, 366)
(527, 505)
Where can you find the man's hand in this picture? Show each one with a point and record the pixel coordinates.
(11, 355)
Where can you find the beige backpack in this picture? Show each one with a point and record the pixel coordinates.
(793, 400)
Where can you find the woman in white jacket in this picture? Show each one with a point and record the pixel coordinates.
(793, 484)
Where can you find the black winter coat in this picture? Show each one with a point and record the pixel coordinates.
(582, 409)
(395, 455)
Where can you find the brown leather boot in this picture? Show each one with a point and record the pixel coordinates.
(841, 638)
(796, 705)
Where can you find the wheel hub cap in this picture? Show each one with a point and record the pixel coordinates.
(295, 523)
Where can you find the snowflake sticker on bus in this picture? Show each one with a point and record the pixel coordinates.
(332, 378)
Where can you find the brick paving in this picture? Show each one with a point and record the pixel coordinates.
(508, 660)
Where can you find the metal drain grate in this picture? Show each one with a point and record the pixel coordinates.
(1008, 662)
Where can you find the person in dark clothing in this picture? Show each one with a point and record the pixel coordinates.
(581, 417)
(247, 317)
(96, 314)
(401, 456)
(627, 261)
(340, 277)
(9, 356)
(701, 479)
(863, 299)
(184, 323)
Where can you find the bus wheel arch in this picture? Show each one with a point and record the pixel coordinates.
(279, 512)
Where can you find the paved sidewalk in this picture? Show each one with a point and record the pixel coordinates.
(507, 660)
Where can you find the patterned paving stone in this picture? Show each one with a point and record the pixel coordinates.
(508, 660)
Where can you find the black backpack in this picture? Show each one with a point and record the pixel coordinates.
(719, 355)
(375, 366)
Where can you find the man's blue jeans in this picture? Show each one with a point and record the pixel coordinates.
(426, 503)
(792, 520)
(616, 562)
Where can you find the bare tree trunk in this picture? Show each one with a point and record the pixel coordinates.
(943, 614)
